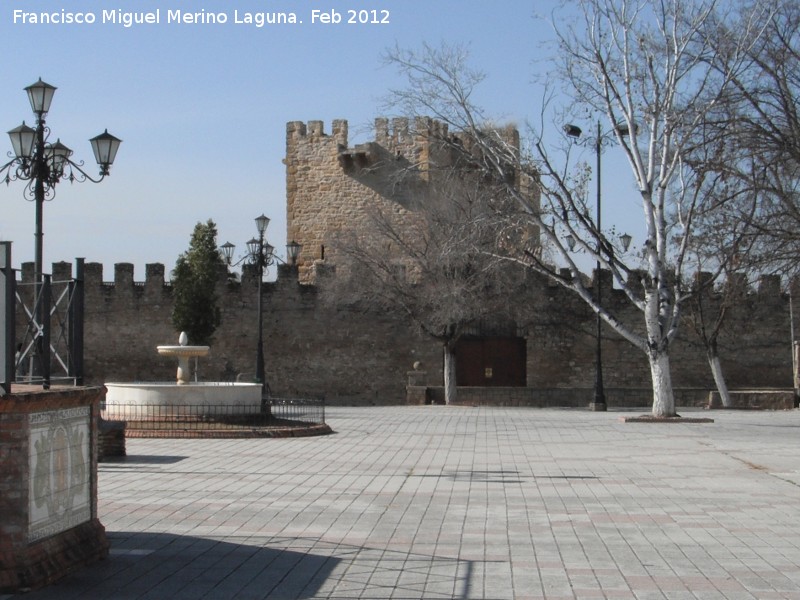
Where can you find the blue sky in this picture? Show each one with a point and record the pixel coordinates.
(202, 109)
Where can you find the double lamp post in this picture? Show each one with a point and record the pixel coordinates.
(260, 254)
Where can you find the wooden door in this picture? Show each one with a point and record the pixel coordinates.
(496, 362)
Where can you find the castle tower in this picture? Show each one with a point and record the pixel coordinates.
(332, 187)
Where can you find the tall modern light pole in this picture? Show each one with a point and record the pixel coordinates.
(260, 254)
(599, 400)
(44, 164)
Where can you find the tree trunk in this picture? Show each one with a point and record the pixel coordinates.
(663, 396)
(719, 378)
(450, 388)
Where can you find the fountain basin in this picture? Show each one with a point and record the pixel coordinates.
(162, 396)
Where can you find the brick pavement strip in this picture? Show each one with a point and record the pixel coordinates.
(447, 502)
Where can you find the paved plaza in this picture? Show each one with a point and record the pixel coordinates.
(453, 502)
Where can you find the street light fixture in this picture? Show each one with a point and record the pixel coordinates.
(599, 401)
(105, 148)
(40, 95)
(261, 254)
(293, 251)
(626, 241)
(22, 140)
(43, 165)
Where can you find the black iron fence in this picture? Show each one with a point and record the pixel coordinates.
(277, 413)
(311, 410)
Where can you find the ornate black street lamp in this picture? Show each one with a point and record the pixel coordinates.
(260, 254)
(599, 401)
(43, 165)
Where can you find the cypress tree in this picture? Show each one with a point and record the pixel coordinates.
(194, 278)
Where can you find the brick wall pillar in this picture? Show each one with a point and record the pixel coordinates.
(48, 486)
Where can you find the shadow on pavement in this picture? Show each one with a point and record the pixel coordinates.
(143, 459)
(168, 566)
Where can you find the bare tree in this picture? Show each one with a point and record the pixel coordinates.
(722, 249)
(642, 67)
(432, 261)
(722, 245)
(746, 162)
(760, 117)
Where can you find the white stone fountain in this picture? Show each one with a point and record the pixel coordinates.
(183, 392)
(183, 352)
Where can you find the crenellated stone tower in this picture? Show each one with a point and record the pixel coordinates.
(331, 186)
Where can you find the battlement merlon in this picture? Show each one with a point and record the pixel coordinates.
(297, 131)
(399, 135)
(156, 276)
(401, 132)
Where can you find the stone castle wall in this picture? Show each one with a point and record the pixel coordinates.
(310, 349)
(357, 357)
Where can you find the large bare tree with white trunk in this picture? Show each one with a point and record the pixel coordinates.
(641, 69)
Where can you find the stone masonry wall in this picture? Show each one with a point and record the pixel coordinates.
(331, 187)
(363, 358)
(310, 349)
(323, 197)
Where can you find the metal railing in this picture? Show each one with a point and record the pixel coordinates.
(282, 412)
(308, 410)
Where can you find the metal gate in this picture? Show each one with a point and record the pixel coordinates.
(42, 332)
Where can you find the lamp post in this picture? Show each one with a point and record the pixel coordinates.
(260, 254)
(43, 165)
(599, 400)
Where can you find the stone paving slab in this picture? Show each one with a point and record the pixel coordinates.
(450, 502)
